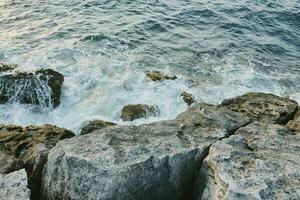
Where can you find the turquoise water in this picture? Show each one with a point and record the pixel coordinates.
(218, 49)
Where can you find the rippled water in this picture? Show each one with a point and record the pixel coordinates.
(217, 48)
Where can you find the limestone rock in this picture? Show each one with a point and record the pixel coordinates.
(263, 107)
(261, 161)
(91, 126)
(187, 98)
(136, 111)
(151, 161)
(31, 145)
(159, 76)
(9, 163)
(42, 87)
(294, 125)
(13, 186)
(6, 67)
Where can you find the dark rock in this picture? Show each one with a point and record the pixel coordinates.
(9, 163)
(31, 145)
(187, 97)
(6, 67)
(263, 107)
(42, 87)
(95, 125)
(159, 76)
(132, 112)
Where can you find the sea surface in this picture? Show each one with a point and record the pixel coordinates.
(217, 48)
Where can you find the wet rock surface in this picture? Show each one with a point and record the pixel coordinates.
(6, 67)
(91, 126)
(151, 161)
(31, 145)
(13, 186)
(187, 98)
(294, 124)
(159, 76)
(261, 161)
(263, 107)
(42, 87)
(136, 111)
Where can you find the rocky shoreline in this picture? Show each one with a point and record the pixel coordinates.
(247, 147)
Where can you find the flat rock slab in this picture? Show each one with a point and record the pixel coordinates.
(263, 107)
(261, 161)
(13, 186)
(153, 161)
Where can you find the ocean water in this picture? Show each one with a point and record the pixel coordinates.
(217, 48)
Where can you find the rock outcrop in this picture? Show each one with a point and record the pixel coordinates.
(6, 67)
(187, 98)
(136, 111)
(13, 186)
(263, 107)
(91, 126)
(9, 163)
(294, 124)
(42, 87)
(159, 76)
(31, 145)
(151, 161)
(261, 161)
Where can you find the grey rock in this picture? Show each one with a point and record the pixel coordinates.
(152, 161)
(263, 107)
(294, 124)
(136, 111)
(42, 87)
(261, 161)
(91, 126)
(9, 163)
(13, 186)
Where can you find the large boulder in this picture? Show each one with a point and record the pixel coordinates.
(151, 161)
(159, 76)
(42, 87)
(136, 111)
(13, 186)
(263, 107)
(93, 125)
(31, 145)
(261, 161)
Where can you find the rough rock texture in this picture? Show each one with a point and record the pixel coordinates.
(31, 145)
(294, 125)
(13, 186)
(263, 107)
(42, 87)
(6, 67)
(159, 76)
(261, 161)
(132, 112)
(9, 163)
(187, 98)
(153, 161)
(91, 126)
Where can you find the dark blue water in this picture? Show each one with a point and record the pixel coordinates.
(218, 49)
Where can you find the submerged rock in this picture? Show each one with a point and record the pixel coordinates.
(187, 98)
(31, 145)
(91, 126)
(151, 161)
(13, 186)
(294, 125)
(159, 76)
(263, 107)
(9, 163)
(261, 161)
(42, 87)
(136, 111)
